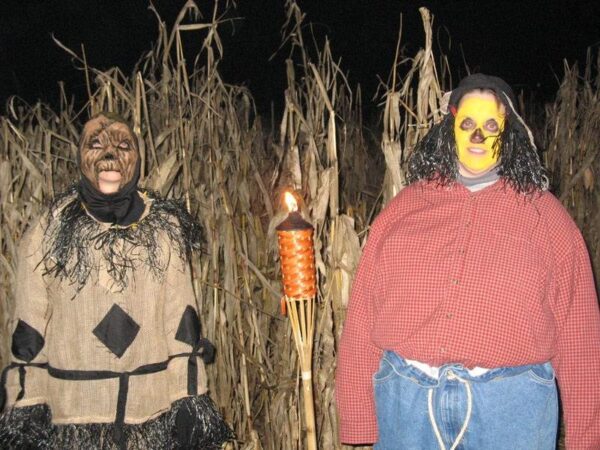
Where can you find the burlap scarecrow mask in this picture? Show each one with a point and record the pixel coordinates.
(109, 161)
(108, 153)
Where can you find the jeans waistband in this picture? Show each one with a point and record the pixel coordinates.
(401, 367)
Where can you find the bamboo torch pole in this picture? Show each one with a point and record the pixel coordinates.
(297, 256)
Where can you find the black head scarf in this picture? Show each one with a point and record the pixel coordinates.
(484, 82)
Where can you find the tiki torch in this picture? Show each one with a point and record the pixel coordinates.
(297, 256)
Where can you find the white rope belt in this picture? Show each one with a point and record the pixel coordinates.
(451, 376)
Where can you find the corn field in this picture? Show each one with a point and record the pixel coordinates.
(202, 141)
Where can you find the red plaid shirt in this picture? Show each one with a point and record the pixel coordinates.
(489, 279)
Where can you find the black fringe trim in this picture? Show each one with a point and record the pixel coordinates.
(191, 423)
(71, 234)
(26, 428)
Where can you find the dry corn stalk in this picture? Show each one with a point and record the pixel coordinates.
(202, 142)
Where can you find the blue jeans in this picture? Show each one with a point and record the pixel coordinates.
(512, 408)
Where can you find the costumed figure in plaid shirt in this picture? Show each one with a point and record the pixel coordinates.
(107, 351)
(473, 299)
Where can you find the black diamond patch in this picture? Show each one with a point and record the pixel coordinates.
(27, 342)
(188, 330)
(117, 330)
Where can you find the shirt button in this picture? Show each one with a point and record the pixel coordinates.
(461, 251)
(442, 349)
(449, 315)
(454, 281)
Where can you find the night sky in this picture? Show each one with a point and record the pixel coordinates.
(522, 41)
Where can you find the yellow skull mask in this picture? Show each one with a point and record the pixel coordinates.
(477, 126)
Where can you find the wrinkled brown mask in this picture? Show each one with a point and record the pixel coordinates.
(108, 153)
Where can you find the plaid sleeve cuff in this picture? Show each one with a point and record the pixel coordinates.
(358, 433)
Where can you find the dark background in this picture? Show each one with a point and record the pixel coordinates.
(524, 42)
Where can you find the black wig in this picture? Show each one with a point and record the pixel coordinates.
(434, 158)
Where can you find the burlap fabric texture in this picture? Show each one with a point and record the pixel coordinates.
(106, 333)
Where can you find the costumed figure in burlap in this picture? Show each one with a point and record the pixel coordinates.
(107, 351)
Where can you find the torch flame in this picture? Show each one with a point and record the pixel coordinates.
(290, 201)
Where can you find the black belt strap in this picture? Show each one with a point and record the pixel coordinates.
(21, 382)
(78, 375)
(193, 373)
(81, 375)
(119, 433)
(4, 376)
(206, 355)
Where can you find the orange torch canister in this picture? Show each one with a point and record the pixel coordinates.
(296, 251)
(297, 255)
